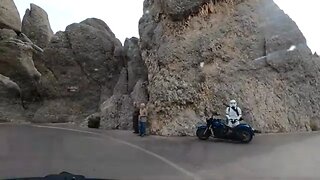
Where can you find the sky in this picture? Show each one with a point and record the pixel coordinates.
(306, 15)
(122, 16)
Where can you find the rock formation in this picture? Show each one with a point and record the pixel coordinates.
(116, 112)
(36, 26)
(83, 63)
(18, 75)
(192, 57)
(9, 16)
(136, 67)
(251, 51)
(179, 10)
(10, 107)
(22, 83)
(82, 73)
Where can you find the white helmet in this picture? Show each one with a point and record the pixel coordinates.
(233, 103)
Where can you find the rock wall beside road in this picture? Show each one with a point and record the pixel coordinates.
(252, 52)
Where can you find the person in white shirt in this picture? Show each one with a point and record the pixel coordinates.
(233, 114)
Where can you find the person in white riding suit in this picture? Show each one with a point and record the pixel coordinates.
(233, 113)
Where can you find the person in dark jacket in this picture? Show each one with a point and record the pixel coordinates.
(135, 118)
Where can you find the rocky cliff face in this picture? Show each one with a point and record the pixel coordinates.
(192, 56)
(36, 26)
(85, 68)
(250, 50)
(9, 16)
(116, 112)
(81, 72)
(19, 77)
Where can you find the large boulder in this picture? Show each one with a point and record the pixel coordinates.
(96, 57)
(227, 50)
(83, 61)
(36, 26)
(9, 16)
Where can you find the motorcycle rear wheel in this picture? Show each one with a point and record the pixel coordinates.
(203, 134)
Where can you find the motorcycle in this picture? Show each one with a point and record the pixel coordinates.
(217, 128)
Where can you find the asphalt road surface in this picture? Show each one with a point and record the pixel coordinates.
(29, 150)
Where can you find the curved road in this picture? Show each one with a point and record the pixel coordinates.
(29, 150)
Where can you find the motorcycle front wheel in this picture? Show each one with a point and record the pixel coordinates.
(203, 134)
(245, 136)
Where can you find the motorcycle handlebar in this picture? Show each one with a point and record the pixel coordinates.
(227, 105)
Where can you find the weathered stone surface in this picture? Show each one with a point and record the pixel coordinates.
(96, 56)
(192, 57)
(245, 55)
(18, 77)
(82, 72)
(7, 34)
(58, 111)
(136, 67)
(16, 63)
(11, 86)
(180, 9)
(122, 85)
(9, 16)
(116, 112)
(83, 62)
(10, 102)
(140, 92)
(36, 26)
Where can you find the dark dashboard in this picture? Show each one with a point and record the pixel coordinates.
(61, 176)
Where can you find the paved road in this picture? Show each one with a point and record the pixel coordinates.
(27, 150)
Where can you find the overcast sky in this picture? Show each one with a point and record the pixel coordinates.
(122, 16)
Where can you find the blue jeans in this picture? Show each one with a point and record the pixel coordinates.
(142, 128)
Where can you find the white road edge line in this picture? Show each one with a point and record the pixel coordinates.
(172, 164)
